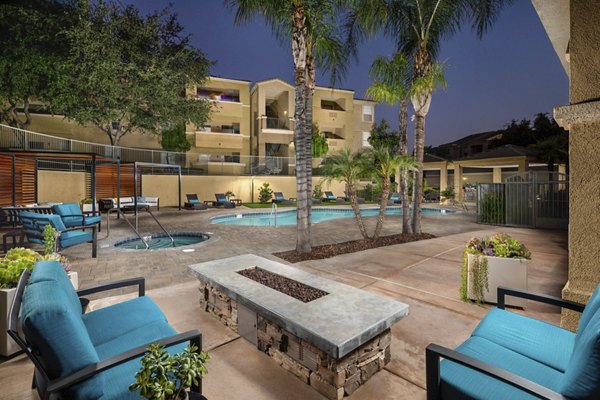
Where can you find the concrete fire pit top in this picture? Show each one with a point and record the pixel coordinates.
(336, 323)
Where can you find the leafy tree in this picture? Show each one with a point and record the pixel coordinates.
(320, 147)
(311, 26)
(382, 136)
(265, 193)
(31, 53)
(418, 28)
(175, 139)
(518, 133)
(127, 72)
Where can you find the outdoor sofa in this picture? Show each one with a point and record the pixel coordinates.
(34, 223)
(511, 356)
(72, 216)
(92, 355)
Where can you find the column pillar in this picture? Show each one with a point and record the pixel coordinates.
(523, 165)
(444, 177)
(458, 182)
(497, 175)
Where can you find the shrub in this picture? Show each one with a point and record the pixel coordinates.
(318, 191)
(448, 193)
(265, 194)
(492, 208)
(14, 263)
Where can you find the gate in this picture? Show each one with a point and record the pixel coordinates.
(530, 199)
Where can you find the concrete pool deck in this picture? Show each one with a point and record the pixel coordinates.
(425, 275)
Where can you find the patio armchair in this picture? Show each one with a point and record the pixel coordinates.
(34, 223)
(72, 216)
(511, 356)
(193, 203)
(92, 355)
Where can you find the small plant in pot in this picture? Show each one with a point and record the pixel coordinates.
(16, 261)
(51, 253)
(86, 204)
(166, 376)
(499, 260)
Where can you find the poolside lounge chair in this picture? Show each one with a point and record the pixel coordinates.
(280, 198)
(222, 201)
(358, 198)
(394, 199)
(72, 216)
(34, 223)
(193, 203)
(329, 196)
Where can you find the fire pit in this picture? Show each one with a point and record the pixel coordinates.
(334, 343)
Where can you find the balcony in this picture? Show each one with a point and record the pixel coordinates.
(223, 136)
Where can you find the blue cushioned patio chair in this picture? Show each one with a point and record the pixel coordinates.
(222, 201)
(87, 356)
(72, 216)
(329, 196)
(511, 356)
(34, 223)
(193, 203)
(278, 197)
(394, 198)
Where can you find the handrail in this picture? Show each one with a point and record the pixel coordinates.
(161, 227)
(122, 214)
(273, 210)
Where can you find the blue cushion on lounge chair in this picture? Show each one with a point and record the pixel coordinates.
(118, 379)
(591, 309)
(193, 201)
(71, 238)
(45, 319)
(110, 323)
(460, 382)
(541, 341)
(582, 376)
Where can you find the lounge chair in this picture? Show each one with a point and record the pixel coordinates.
(72, 216)
(193, 203)
(394, 199)
(329, 196)
(87, 355)
(359, 199)
(34, 223)
(280, 198)
(222, 201)
(511, 356)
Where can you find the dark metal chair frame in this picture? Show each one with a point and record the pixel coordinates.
(40, 229)
(434, 352)
(46, 386)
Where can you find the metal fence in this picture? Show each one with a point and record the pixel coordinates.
(192, 163)
(525, 200)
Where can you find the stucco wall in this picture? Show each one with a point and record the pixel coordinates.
(60, 187)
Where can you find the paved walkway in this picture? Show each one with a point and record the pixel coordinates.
(425, 274)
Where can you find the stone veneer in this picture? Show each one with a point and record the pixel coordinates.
(334, 378)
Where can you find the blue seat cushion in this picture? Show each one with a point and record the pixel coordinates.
(57, 334)
(541, 341)
(193, 201)
(71, 238)
(582, 376)
(591, 309)
(459, 382)
(118, 379)
(112, 322)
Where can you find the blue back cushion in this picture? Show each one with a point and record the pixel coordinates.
(52, 324)
(221, 198)
(66, 209)
(34, 223)
(279, 196)
(591, 309)
(582, 376)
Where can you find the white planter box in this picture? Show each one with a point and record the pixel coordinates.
(509, 272)
(86, 207)
(74, 278)
(7, 346)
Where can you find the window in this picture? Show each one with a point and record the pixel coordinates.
(365, 139)
(368, 113)
(218, 94)
(331, 105)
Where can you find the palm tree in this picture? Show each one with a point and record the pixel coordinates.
(391, 85)
(385, 164)
(418, 28)
(309, 24)
(348, 168)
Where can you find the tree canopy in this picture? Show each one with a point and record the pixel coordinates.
(127, 72)
(381, 136)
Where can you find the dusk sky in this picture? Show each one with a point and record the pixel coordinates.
(511, 73)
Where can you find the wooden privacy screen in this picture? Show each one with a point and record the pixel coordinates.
(25, 181)
(106, 181)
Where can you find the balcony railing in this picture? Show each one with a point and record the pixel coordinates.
(14, 139)
(277, 123)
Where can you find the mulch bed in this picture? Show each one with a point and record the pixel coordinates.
(282, 284)
(331, 250)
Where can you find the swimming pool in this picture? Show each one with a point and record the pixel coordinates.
(162, 241)
(288, 217)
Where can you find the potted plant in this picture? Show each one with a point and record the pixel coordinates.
(447, 195)
(317, 195)
(229, 195)
(166, 376)
(12, 266)
(86, 204)
(491, 262)
(51, 253)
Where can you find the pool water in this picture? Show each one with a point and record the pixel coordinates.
(162, 241)
(288, 217)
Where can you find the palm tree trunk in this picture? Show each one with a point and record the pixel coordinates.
(356, 209)
(310, 86)
(403, 150)
(299, 50)
(418, 184)
(385, 193)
